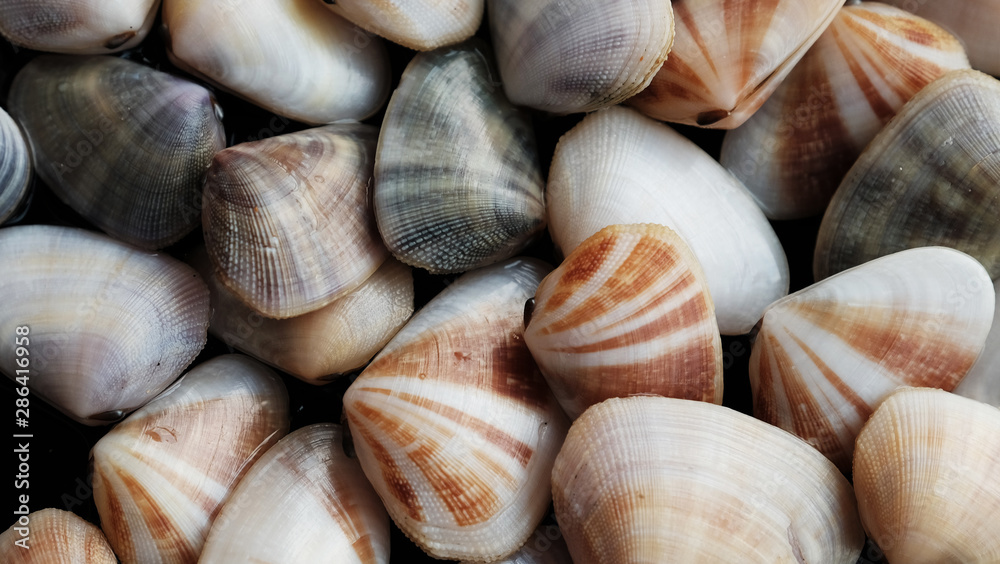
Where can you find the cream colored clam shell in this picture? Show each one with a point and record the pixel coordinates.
(646, 480)
(54, 536)
(109, 326)
(546, 546)
(973, 21)
(618, 166)
(77, 27)
(453, 423)
(303, 501)
(925, 473)
(15, 168)
(161, 475)
(418, 24)
(982, 383)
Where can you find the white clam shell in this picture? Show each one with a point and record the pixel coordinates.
(418, 24)
(982, 383)
(15, 168)
(54, 536)
(546, 546)
(618, 167)
(77, 27)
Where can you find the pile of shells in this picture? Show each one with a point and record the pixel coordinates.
(312, 281)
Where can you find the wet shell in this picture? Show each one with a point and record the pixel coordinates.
(319, 345)
(925, 475)
(458, 184)
(628, 312)
(567, 57)
(292, 57)
(453, 423)
(107, 326)
(15, 168)
(619, 167)
(982, 383)
(546, 546)
(797, 148)
(931, 177)
(161, 476)
(77, 27)
(973, 21)
(303, 501)
(826, 356)
(653, 479)
(287, 220)
(54, 536)
(418, 24)
(728, 57)
(124, 145)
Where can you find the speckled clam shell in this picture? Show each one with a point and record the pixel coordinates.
(109, 325)
(628, 312)
(15, 168)
(124, 145)
(982, 383)
(618, 167)
(567, 57)
(54, 536)
(287, 220)
(653, 479)
(453, 423)
(319, 345)
(728, 57)
(973, 21)
(77, 27)
(793, 153)
(292, 57)
(546, 546)
(418, 24)
(931, 177)
(925, 475)
(304, 500)
(161, 476)
(826, 356)
(458, 184)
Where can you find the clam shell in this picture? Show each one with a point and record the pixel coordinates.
(418, 24)
(161, 476)
(567, 57)
(728, 57)
(124, 145)
(653, 479)
(982, 383)
(628, 312)
(292, 57)
(287, 220)
(453, 423)
(458, 184)
(931, 177)
(973, 21)
(925, 473)
(304, 500)
(315, 346)
(77, 27)
(826, 356)
(15, 168)
(109, 325)
(546, 546)
(797, 148)
(619, 167)
(54, 536)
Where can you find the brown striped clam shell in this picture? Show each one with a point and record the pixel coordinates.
(628, 312)
(54, 536)
(973, 21)
(77, 27)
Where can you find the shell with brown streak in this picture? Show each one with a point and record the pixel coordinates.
(925, 473)
(453, 423)
(566, 57)
(793, 153)
(304, 500)
(930, 177)
(287, 220)
(982, 383)
(161, 476)
(728, 57)
(973, 21)
(826, 356)
(628, 312)
(54, 536)
(77, 27)
(418, 24)
(647, 480)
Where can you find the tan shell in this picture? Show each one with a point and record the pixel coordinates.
(54, 536)
(303, 501)
(418, 24)
(925, 474)
(546, 546)
(728, 57)
(77, 27)
(793, 153)
(826, 356)
(453, 423)
(579, 56)
(109, 326)
(161, 476)
(287, 220)
(628, 312)
(973, 21)
(982, 383)
(646, 480)
(15, 168)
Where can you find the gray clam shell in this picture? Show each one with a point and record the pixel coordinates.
(15, 168)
